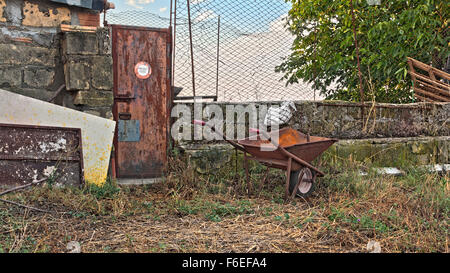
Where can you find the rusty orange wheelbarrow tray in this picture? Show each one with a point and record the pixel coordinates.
(291, 151)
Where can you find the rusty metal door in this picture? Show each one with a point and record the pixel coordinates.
(142, 98)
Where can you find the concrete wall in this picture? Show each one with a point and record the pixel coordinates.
(380, 152)
(395, 135)
(344, 120)
(36, 57)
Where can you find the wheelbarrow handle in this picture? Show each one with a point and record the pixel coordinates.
(232, 142)
(200, 122)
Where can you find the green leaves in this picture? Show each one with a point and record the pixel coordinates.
(324, 50)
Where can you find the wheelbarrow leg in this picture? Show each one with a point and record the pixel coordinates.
(236, 160)
(288, 178)
(263, 182)
(246, 173)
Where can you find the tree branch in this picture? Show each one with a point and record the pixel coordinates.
(21, 188)
(24, 186)
(23, 206)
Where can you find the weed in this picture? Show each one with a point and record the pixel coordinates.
(366, 222)
(184, 208)
(268, 211)
(213, 217)
(219, 211)
(78, 214)
(337, 215)
(108, 190)
(278, 218)
(148, 206)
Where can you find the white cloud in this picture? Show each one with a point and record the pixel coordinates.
(163, 9)
(279, 24)
(137, 3)
(206, 15)
(194, 2)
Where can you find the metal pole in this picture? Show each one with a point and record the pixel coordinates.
(105, 23)
(174, 43)
(315, 57)
(192, 48)
(218, 58)
(361, 90)
(171, 10)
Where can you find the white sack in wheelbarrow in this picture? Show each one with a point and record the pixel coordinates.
(280, 115)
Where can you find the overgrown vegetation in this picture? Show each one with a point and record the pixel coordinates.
(324, 52)
(214, 212)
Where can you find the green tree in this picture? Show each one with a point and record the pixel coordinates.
(324, 51)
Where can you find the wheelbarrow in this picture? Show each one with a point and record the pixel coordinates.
(291, 151)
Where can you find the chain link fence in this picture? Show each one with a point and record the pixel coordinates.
(236, 46)
(227, 50)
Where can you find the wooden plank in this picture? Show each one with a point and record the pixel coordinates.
(70, 28)
(434, 89)
(441, 84)
(432, 77)
(423, 98)
(23, 40)
(427, 68)
(429, 94)
(411, 69)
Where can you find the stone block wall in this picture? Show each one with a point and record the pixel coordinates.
(37, 58)
(392, 135)
(398, 152)
(29, 48)
(344, 120)
(381, 152)
(88, 71)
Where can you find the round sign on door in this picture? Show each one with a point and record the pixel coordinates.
(143, 70)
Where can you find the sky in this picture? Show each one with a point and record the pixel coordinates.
(160, 7)
(236, 12)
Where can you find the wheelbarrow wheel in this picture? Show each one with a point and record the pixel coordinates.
(306, 186)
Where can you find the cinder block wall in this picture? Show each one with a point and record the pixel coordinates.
(37, 58)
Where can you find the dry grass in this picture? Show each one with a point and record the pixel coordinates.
(213, 213)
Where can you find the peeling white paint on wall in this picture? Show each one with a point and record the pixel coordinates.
(97, 133)
(53, 147)
(49, 171)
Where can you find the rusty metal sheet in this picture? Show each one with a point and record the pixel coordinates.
(142, 96)
(30, 153)
(97, 133)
